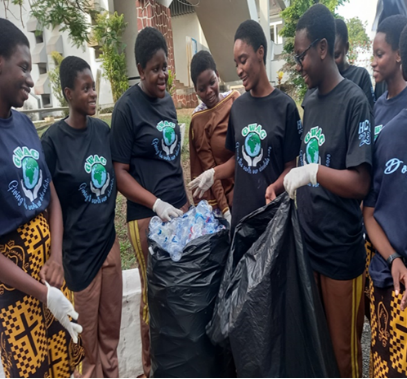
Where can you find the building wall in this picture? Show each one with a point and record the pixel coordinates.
(129, 9)
(150, 13)
(186, 27)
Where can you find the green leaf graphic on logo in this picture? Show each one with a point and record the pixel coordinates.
(312, 151)
(98, 175)
(31, 172)
(252, 144)
(169, 135)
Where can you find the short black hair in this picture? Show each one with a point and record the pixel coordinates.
(319, 23)
(68, 71)
(11, 38)
(252, 33)
(201, 62)
(403, 51)
(148, 42)
(392, 27)
(341, 30)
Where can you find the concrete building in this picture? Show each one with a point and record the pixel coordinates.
(187, 26)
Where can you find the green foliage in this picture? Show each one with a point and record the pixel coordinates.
(55, 81)
(70, 15)
(170, 83)
(108, 33)
(290, 16)
(359, 41)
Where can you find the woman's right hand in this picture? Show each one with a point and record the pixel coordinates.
(166, 211)
(61, 308)
(399, 274)
(202, 183)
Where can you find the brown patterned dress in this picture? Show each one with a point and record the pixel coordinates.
(32, 342)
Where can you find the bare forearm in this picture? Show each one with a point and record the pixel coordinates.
(132, 190)
(56, 225)
(376, 233)
(278, 185)
(349, 183)
(13, 276)
(225, 170)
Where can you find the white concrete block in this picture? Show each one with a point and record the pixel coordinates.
(129, 350)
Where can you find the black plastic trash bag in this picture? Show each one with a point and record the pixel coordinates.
(268, 311)
(181, 298)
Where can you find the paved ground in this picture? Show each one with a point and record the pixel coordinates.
(366, 348)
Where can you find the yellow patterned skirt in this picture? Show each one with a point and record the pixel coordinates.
(32, 342)
(388, 355)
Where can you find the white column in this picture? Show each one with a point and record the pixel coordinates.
(264, 13)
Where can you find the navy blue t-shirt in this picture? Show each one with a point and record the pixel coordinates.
(24, 176)
(388, 195)
(385, 110)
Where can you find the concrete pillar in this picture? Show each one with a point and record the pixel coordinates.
(264, 14)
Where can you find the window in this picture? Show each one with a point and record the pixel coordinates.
(39, 36)
(42, 67)
(46, 100)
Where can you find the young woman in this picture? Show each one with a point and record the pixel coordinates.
(385, 222)
(264, 131)
(146, 150)
(32, 342)
(207, 132)
(357, 75)
(77, 150)
(334, 176)
(386, 66)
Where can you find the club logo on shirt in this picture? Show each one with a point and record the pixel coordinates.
(100, 184)
(313, 140)
(27, 159)
(364, 133)
(377, 130)
(252, 151)
(169, 147)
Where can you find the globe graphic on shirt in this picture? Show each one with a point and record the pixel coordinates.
(31, 172)
(98, 175)
(169, 135)
(252, 144)
(312, 151)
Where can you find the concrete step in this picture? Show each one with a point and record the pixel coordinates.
(129, 349)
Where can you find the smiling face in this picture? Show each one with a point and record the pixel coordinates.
(309, 68)
(207, 87)
(82, 98)
(154, 76)
(386, 61)
(249, 63)
(15, 79)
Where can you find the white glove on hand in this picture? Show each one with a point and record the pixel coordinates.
(202, 183)
(166, 211)
(61, 308)
(300, 176)
(227, 216)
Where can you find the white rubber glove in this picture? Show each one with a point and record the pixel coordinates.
(227, 216)
(300, 176)
(61, 308)
(202, 183)
(166, 211)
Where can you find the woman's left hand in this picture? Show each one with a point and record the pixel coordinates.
(53, 273)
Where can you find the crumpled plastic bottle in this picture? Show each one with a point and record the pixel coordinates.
(172, 236)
